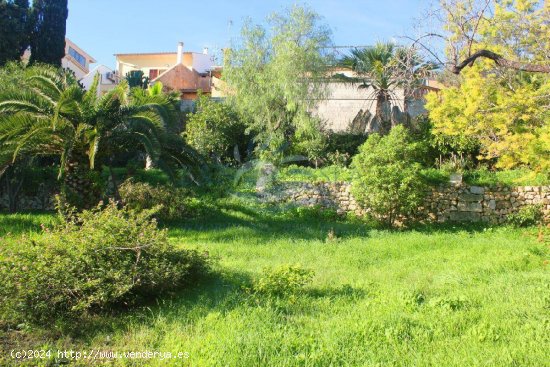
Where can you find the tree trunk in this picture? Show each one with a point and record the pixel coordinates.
(114, 182)
(13, 188)
(383, 112)
(78, 188)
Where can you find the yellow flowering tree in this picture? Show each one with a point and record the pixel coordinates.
(506, 110)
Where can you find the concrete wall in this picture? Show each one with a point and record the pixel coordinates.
(344, 103)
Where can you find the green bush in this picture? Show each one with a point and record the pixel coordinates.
(171, 203)
(341, 146)
(284, 280)
(526, 216)
(387, 176)
(338, 158)
(215, 129)
(100, 258)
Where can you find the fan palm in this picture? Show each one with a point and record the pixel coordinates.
(50, 114)
(384, 68)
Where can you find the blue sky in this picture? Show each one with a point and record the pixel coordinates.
(105, 27)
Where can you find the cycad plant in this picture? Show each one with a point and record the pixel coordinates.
(50, 114)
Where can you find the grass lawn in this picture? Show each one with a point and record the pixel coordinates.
(481, 177)
(434, 296)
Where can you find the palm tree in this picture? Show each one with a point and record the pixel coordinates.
(385, 68)
(50, 114)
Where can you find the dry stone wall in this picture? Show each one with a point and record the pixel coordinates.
(460, 203)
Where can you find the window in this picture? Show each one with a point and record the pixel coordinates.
(78, 57)
(153, 73)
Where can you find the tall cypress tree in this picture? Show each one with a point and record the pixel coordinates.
(14, 29)
(48, 38)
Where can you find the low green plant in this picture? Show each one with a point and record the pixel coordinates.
(100, 258)
(283, 280)
(172, 203)
(526, 216)
(312, 212)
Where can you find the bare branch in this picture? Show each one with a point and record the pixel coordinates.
(500, 61)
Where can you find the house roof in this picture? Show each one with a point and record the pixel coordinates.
(154, 53)
(183, 78)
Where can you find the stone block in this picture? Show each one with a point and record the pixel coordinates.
(465, 217)
(471, 197)
(470, 207)
(477, 190)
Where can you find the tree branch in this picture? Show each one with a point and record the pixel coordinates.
(500, 61)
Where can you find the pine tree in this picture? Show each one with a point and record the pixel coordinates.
(14, 29)
(49, 26)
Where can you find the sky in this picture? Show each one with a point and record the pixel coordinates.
(105, 27)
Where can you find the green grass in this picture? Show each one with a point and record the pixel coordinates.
(481, 177)
(23, 223)
(430, 296)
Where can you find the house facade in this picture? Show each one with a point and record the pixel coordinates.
(76, 59)
(184, 72)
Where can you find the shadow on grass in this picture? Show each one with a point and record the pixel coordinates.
(238, 221)
(235, 221)
(215, 292)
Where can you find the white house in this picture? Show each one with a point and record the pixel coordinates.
(107, 79)
(76, 59)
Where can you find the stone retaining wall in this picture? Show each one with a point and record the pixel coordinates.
(442, 203)
(41, 201)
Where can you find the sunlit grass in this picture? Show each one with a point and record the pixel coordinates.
(434, 296)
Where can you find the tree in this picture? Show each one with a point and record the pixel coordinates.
(509, 118)
(14, 29)
(512, 34)
(216, 130)
(276, 75)
(387, 175)
(384, 68)
(49, 19)
(136, 78)
(48, 114)
(505, 109)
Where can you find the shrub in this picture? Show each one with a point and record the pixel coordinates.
(526, 216)
(100, 258)
(172, 203)
(338, 158)
(215, 129)
(284, 280)
(387, 176)
(345, 144)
